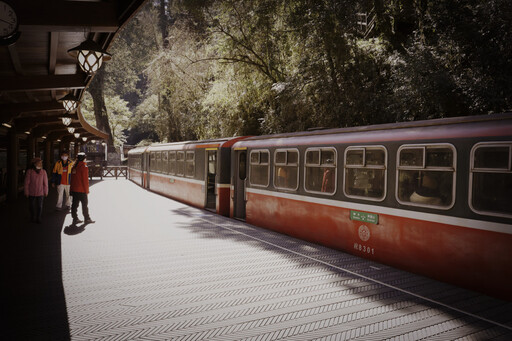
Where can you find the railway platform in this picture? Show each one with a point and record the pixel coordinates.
(151, 268)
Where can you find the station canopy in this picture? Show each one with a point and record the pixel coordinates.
(36, 69)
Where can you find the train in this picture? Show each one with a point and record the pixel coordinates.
(431, 197)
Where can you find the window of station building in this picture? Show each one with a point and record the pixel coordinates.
(426, 175)
(152, 163)
(172, 163)
(286, 169)
(320, 174)
(259, 168)
(491, 179)
(365, 173)
(180, 163)
(190, 164)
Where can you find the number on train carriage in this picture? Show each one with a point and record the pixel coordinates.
(491, 179)
(426, 175)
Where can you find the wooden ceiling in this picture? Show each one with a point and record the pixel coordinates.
(36, 70)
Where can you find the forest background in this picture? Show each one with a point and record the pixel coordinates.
(199, 69)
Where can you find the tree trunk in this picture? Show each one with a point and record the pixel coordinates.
(100, 109)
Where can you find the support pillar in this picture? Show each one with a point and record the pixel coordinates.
(31, 149)
(12, 165)
(48, 156)
(36, 148)
(76, 148)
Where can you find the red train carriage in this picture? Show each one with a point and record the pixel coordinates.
(136, 166)
(432, 197)
(196, 172)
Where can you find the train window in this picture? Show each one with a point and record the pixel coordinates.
(426, 175)
(259, 168)
(286, 169)
(320, 174)
(165, 162)
(159, 162)
(153, 162)
(172, 163)
(180, 163)
(191, 164)
(365, 172)
(491, 179)
(242, 166)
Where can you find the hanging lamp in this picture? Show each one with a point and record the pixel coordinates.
(90, 55)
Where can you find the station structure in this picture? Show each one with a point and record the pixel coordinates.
(39, 68)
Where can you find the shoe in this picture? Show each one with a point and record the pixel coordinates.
(76, 221)
(89, 221)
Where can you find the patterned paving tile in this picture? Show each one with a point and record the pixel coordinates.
(154, 269)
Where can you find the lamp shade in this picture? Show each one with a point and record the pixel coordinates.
(90, 55)
(77, 135)
(66, 121)
(70, 102)
(84, 138)
(71, 130)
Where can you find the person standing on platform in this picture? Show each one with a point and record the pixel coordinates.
(60, 178)
(36, 188)
(80, 189)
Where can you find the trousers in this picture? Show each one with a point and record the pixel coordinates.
(36, 208)
(78, 198)
(63, 190)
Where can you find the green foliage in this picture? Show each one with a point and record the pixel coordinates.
(117, 112)
(211, 68)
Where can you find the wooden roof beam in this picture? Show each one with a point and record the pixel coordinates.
(52, 58)
(67, 16)
(42, 83)
(18, 108)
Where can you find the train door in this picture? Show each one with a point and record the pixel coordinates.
(211, 173)
(239, 183)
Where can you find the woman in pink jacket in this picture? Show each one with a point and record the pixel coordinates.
(36, 188)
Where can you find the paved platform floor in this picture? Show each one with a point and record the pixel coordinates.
(154, 269)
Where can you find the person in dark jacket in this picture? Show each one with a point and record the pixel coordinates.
(80, 189)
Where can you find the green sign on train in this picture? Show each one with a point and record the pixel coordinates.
(364, 217)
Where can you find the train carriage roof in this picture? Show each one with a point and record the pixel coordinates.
(457, 127)
(212, 143)
(137, 150)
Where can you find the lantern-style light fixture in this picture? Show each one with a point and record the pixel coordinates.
(66, 121)
(70, 102)
(90, 55)
(77, 135)
(84, 139)
(71, 130)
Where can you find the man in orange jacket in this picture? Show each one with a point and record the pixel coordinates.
(80, 189)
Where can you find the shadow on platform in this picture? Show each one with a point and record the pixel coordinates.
(34, 303)
(394, 284)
